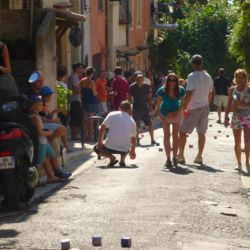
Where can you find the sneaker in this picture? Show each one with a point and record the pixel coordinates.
(61, 174)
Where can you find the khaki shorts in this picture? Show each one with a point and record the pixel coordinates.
(220, 100)
(197, 118)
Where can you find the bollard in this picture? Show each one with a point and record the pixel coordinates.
(215, 137)
(96, 240)
(126, 242)
(157, 144)
(65, 244)
(219, 131)
(210, 125)
(191, 145)
(160, 149)
(227, 136)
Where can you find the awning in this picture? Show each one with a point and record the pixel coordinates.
(142, 46)
(126, 51)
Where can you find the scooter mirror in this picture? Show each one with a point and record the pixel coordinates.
(33, 77)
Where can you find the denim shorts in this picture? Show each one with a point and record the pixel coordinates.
(45, 150)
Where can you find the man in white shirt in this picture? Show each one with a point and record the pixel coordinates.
(121, 137)
(196, 107)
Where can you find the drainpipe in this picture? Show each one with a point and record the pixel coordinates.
(83, 32)
(107, 38)
(127, 31)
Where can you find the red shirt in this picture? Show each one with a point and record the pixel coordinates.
(101, 89)
(119, 85)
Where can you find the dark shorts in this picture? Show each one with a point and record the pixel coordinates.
(90, 108)
(63, 118)
(106, 150)
(144, 116)
(75, 114)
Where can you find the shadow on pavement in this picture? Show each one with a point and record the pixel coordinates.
(204, 168)
(178, 170)
(131, 166)
(8, 233)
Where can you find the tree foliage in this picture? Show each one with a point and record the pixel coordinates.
(204, 31)
(239, 38)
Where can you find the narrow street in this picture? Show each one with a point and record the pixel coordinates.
(186, 208)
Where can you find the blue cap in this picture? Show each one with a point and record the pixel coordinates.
(35, 98)
(46, 90)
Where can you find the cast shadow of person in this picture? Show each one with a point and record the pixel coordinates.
(178, 170)
(129, 166)
(205, 167)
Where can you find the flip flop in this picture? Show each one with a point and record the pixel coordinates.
(112, 164)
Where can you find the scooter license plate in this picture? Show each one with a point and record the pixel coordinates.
(7, 162)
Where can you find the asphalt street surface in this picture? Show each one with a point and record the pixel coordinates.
(190, 207)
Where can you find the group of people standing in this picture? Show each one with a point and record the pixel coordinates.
(182, 108)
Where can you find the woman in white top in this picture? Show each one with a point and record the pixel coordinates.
(239, 103)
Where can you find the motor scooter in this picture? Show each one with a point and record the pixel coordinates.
(18, 177)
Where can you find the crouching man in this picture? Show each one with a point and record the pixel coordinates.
(121, 137)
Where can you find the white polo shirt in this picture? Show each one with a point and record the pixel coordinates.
(201, 84)
(121, 128)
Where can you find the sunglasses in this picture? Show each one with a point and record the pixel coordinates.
(172, 80)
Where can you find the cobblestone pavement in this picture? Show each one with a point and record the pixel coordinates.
(187, 208)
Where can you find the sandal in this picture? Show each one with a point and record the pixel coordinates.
(168, 163)
(122, 164)
(198, 160)
(181, 160)
(112, 163)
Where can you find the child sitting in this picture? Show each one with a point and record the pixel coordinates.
(45, 150)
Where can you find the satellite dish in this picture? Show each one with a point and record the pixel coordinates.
(75, 36)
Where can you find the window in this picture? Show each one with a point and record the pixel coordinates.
(139, 12)
(100, 6)
(124, 12)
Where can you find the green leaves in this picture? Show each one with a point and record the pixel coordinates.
(204, 30)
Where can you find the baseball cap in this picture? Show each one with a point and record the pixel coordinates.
(35, 98)
(46, 90)
(197, 59)
(138, 74)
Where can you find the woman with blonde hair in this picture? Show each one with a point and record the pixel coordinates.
(168, 107)
(239, 104)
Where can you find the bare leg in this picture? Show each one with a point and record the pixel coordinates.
(247, 144)
(175, 135)
(237, 145)
(49, 171)
(219, 113)
(151, 132)
(123, 157)
(201, 144)
(166, 138)
(107, 155)
(182, 143)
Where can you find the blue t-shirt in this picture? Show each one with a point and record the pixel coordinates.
(169, 104)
